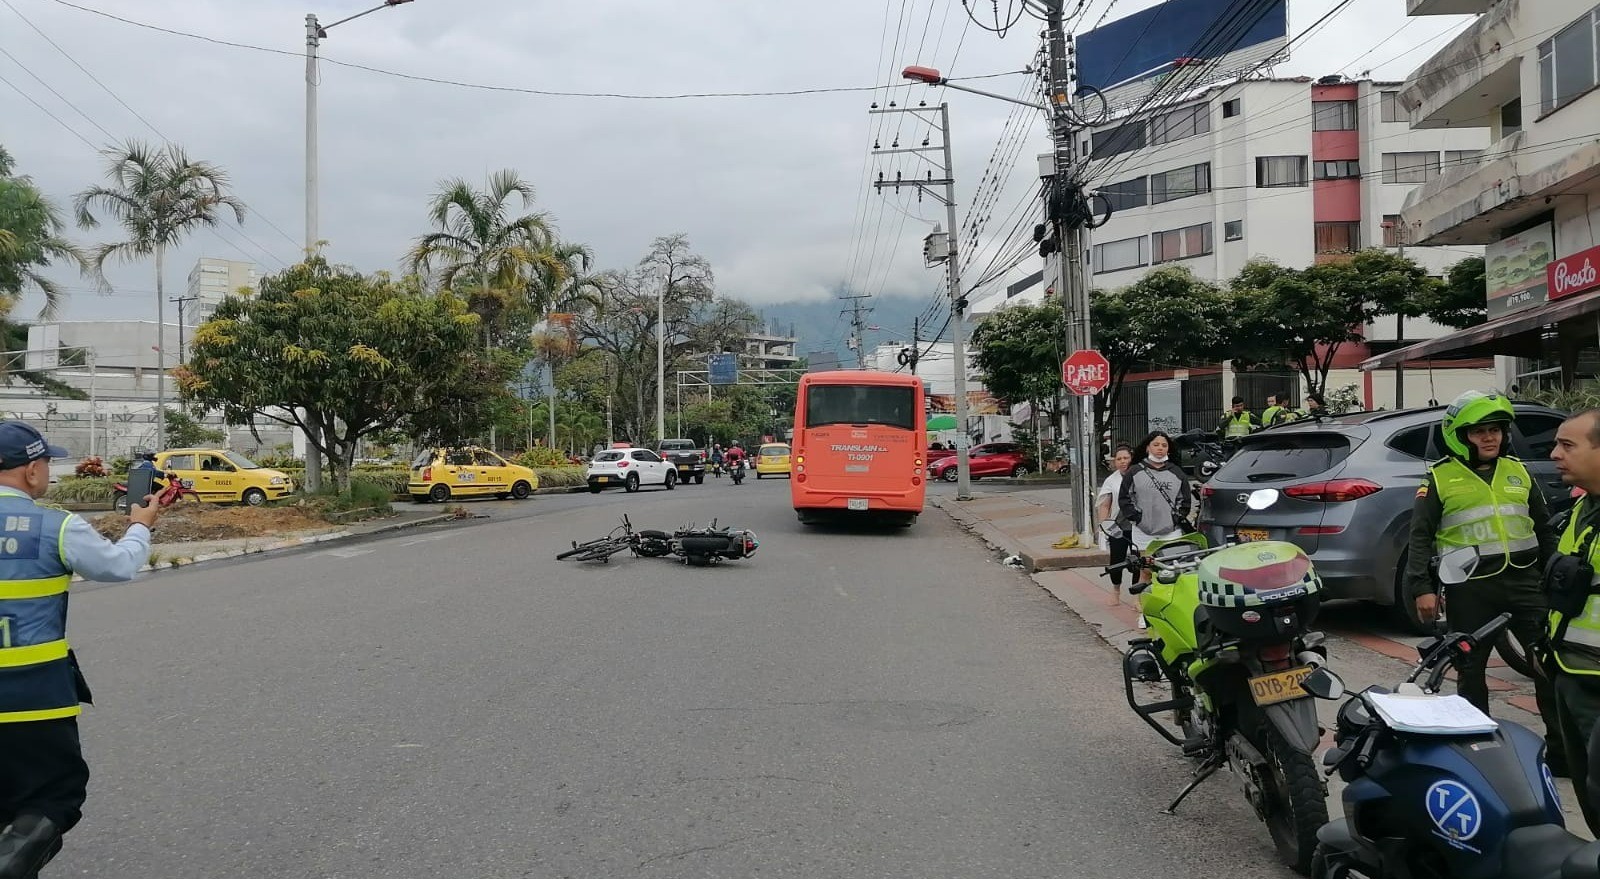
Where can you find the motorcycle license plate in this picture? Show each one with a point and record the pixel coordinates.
(856, 503)
(1250, 535)
(1280, 686)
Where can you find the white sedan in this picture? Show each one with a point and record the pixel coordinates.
(629, 469)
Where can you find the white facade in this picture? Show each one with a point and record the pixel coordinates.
(212, 280)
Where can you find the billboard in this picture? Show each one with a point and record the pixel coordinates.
(1514, 270)
(1131, 56)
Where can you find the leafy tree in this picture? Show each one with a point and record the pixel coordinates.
(1019, 350)
(186, 431)
(343, 356)
(1459, 302)
(31, 240)
(158, 195)
(1304, 316)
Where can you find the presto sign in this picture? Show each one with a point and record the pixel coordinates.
(1574, 274)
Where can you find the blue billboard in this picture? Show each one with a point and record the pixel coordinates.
(1146, 43)
(724, 369)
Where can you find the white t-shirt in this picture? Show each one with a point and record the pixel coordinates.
(1110, 488)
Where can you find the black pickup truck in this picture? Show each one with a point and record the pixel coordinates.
(687, 457)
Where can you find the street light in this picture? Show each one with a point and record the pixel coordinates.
(315, 34)
(931, 76)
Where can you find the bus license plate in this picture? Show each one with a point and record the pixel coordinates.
(856, 503)
(1280, 686)
(1251, 535)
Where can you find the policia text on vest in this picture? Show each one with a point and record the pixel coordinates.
(43, 777)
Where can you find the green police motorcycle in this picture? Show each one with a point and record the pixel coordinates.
(1227, 647)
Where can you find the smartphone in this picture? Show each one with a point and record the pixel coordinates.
(141, 482)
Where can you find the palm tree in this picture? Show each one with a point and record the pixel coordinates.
(30, 240)
(158, 195)
(511, 260)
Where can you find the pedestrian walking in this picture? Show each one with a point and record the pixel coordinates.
(1114, 536)
(1155, 495)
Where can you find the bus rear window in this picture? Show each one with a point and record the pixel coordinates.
(860, 404)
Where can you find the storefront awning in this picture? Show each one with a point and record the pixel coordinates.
(1517, 335)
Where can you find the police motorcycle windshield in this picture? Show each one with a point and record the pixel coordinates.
(1457, 565)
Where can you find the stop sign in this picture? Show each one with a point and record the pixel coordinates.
(1086, 372)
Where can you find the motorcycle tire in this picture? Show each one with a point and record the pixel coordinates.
(1510, 649)
(1299, 806)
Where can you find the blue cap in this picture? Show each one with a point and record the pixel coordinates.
(22, 443)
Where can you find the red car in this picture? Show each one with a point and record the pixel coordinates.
(989, 459)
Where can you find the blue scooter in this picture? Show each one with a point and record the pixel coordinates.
(1436, 789)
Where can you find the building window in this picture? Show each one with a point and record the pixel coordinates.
(1127, 194)
(1410, 168)
(1393, 111)
(1123, 138)
(1511, 118)
(1274, 171)
(1232, 108)
(1460, 158)
(1338, 170)
(1567, 64)
(1180, 123)
(1338, 237)
(1333, 115)
(1184, 243)
(1180, 183)
(1233, 230)
(1391, 230)
(1129, 253)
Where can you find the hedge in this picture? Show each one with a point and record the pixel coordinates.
(81, 490)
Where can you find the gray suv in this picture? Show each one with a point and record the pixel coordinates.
(1348, 483)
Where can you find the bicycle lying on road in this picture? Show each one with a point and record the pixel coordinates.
(696, 546)
(648, 543)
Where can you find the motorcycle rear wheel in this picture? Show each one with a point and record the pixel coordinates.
(1298, 805)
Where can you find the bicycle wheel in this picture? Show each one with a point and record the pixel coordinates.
(581, 547)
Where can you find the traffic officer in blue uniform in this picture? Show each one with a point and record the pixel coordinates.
(43, 777)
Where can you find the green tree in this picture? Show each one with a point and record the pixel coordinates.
(1019, 350)
(507, 267)
(1304, 316)
(343, 356)
(186, 431)
(1459, 302)
(158, 195)
(31, 240)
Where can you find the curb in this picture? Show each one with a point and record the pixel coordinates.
(1032, 562)
(563, 489)
(286, 543)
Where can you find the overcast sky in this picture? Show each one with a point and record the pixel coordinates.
(771, 189)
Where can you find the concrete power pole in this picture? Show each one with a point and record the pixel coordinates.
(857, 313)
(181, 301)
(941, 247)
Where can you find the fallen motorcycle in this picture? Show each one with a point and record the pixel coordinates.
(1229, 634)
(700, 547)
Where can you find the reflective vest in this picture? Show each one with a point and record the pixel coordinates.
(1578, 651)
(1238, 425)
(37, 680)
(1271, 416)
(1492, 516)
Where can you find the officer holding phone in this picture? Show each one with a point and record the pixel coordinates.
(43, 777)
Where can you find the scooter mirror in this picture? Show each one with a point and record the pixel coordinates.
(1262, 498)
(1323, 684)
(1457, 565)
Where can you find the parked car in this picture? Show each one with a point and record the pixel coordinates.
(440, 474)
(1348, 484)
(772, 459)
(989, 459)
(629, 469)
(222, 476)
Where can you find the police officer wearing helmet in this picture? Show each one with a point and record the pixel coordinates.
(43, 777)
(1480, 496)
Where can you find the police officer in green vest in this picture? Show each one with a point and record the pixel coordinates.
(1274, 412)
(1573, 590)
(1238, 421)
(43, 777)
(1479, 496)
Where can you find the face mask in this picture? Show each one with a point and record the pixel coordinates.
(1156, 459)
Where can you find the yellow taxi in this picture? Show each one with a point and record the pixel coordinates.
(440, 474)
(220, 476)
(772, 459)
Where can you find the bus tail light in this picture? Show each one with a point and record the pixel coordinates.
(916, 480)
(800, 476)
(917, 461)
(799, 459)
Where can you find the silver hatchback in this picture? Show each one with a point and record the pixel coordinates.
(1348, 483)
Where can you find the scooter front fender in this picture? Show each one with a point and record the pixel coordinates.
(1296, 721)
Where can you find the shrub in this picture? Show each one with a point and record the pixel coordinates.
(559, 477)
(81, 490)
(392, 480)
(92, 466)
(120, 465)
(542, 456)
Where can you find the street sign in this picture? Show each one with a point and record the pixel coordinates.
(724, 369)
(1086, 373)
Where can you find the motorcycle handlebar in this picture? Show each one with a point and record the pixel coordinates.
(1491, 629)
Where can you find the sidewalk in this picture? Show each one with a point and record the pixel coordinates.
(1025, 524)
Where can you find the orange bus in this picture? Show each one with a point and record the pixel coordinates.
(859, 446)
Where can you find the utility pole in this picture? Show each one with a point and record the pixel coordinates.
(1400, 236)
(858, 341)
(941, 247)
(916, 343)
(181, 301)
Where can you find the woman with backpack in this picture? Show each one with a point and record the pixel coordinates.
(1155, 495)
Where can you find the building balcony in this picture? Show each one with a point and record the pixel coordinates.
(1465, 84)
(1510, 183)
(1447, 7)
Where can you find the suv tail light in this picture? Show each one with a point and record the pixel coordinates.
(622, 464)
(1334, 491)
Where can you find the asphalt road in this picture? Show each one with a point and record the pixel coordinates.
(455, 702)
